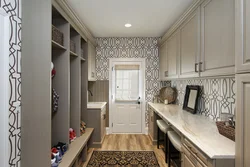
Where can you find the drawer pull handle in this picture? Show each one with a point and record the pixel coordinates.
(195, 67)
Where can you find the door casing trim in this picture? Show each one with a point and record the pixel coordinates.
(4, 87)
(143, 101)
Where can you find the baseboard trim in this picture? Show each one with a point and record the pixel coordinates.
(154, 142)
(107, 131)
(96, 145)
(146, 131)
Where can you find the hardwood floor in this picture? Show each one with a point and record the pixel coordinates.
(129, 142)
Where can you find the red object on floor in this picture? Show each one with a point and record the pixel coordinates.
(54, 150)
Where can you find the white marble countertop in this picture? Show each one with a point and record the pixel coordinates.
(96, 105)
(200, 130)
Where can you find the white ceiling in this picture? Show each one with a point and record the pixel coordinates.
(149, 18)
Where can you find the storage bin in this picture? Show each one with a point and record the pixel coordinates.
(227, 131)
(72, 46)
(57, 35)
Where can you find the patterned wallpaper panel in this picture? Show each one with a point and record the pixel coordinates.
(217, 95)
(130, 48)
(13, 10)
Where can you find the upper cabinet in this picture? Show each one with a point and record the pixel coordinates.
(91, 62)
(242, 36)
(242, 136)
(163, 61)
(190, 46)
(217, 37)
(173, 45)
(202, 42)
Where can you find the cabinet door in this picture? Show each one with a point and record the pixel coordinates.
(217, 37)
(242, 35)
(163, 61)
(91, 62)
(242, 121)
(173, 50)
(190, 45)
(103, 126)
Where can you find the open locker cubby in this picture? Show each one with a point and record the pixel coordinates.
(60, 82)
(84, 49)
(70, 83)
(75, 82)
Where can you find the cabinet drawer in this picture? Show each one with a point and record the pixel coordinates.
(193, 158)
(193, 150)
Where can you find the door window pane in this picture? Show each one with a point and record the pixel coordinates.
(127, 82)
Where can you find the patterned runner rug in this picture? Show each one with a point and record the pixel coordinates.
(123, 159)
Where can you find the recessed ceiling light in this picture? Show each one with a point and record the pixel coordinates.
(128, 25)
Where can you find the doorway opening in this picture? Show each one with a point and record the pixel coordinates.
(127, 95)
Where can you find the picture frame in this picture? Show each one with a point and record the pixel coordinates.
(191, 98)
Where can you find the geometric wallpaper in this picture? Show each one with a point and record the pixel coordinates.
(217, 96)
(13, 10)
(130, 48)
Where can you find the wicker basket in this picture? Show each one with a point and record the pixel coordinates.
(227, 131)
(168, 93)
(72, 46)
(57, 35)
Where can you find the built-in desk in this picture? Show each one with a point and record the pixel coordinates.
(199, 136)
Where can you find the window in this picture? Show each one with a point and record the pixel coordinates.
(126, 82)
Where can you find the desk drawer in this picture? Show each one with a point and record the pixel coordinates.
(191, 148)
(190, 159)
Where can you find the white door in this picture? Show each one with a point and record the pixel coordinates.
(4, 88)
(127, 96)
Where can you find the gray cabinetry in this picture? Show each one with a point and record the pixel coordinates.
(96, 118)
(242, 35)
(242, 120)
(190, 45)
(173, 51)
(163, 61)
(217, 37)
(202, 42)
(152, 125)
(91, 62)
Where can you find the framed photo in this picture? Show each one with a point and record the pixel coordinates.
(191, 98)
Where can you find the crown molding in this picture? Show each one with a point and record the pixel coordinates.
(176, 25)
(74, 20)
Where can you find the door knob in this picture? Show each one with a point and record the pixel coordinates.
(138, 100)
